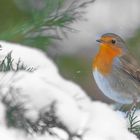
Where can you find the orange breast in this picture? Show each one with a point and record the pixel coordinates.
(104, 59)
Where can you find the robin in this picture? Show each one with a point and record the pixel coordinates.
(116, 71)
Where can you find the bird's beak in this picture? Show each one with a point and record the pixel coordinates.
(99, 40)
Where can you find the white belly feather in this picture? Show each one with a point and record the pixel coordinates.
(107, 90)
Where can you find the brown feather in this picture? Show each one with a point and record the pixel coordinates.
(131, 66)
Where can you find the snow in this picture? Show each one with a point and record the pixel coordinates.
(35, 58)
(42, 94)
(8, 134)
(2, 114)
(106, 124)
(41, 89)
(31, 57)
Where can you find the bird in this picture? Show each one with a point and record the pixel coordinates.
(116, 71)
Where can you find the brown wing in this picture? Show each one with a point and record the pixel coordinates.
(131, 66)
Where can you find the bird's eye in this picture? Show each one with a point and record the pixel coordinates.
(113, 41)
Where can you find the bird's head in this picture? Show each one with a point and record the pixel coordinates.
(111, 46)
(112, 43)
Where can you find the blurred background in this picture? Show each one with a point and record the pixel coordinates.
(67, 29)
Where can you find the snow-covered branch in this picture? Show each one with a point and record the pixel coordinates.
(42, 105)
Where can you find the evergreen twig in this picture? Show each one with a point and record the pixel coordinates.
(7, 64)
(41, 28)
(134, 123)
